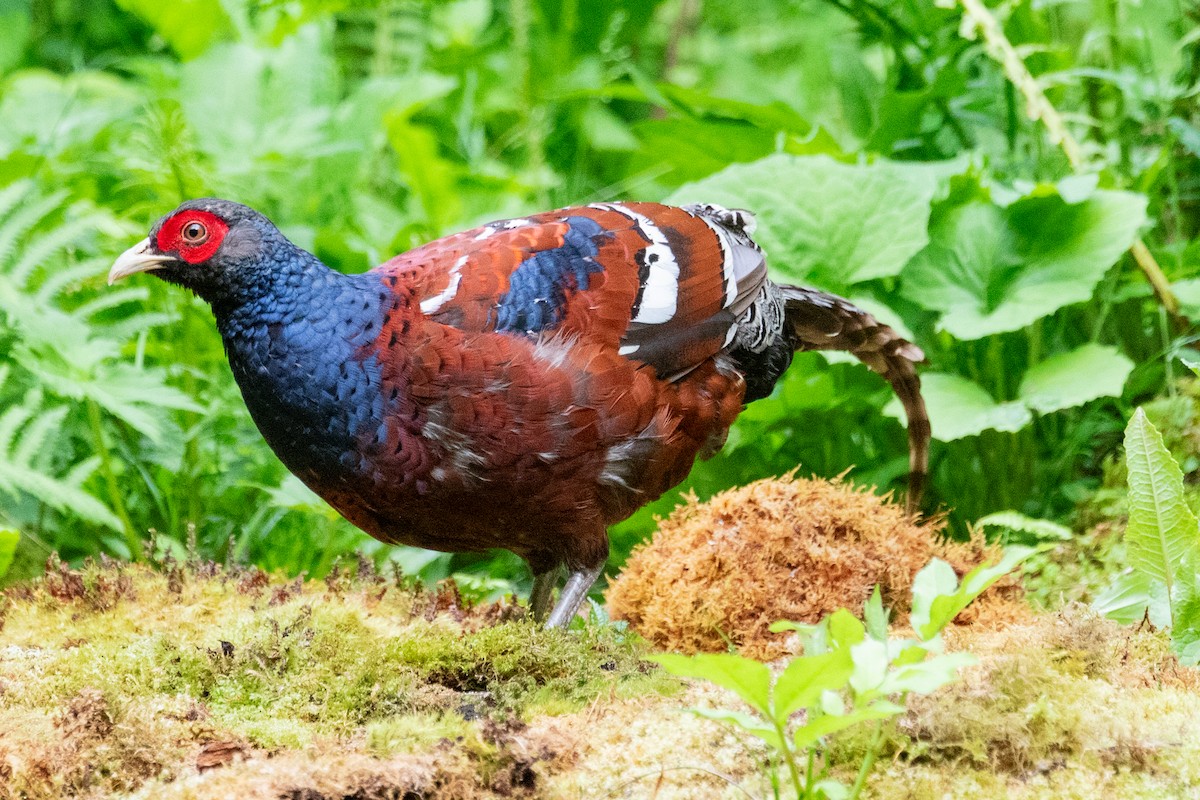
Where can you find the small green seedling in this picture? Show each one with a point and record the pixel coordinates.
(851, 672)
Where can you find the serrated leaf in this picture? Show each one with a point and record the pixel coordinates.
(1071, 379)
(750, 679)
(824, 222)
(1040, 529)
(1162, 536)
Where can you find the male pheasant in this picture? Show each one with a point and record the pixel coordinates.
(521, 385)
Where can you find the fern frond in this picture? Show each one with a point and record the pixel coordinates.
(58, 280)
(12, 195)
(36, 434)
(10, 421)
(26, 430)
(126, 329)
(41, 248)
(16, 226)
(112, 299)
(58, 494)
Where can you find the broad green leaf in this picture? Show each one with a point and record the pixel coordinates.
(936, 579)
(693, 149)
(189, 26)
(429, 176)
(14, 34)
(832, 702)
(845, 629)
(1071, 379)
(870, 665)
(1132, 597)
(1162, 535)
(807, 734)
(825, 222)
(1187, 292)
(802, 682)
(1185, 635)
(749, 678)
(8, 548)
(989, 269)
(938, 597)
(927, 676)
(959, 408)
(1039, 529)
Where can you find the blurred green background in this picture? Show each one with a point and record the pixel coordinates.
(909, 155)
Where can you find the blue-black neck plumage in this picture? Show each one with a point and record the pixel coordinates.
(298, 337)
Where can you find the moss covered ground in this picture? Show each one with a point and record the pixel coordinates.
(200, 681)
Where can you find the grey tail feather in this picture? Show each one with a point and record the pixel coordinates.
(817, 320)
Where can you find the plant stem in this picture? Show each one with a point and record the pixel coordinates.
(868, 762)
(790, 757)
(110, 481)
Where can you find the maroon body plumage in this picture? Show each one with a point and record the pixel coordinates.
(521, 385)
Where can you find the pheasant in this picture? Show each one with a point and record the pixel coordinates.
(521, 385)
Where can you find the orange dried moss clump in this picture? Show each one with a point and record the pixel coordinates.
(782, 548)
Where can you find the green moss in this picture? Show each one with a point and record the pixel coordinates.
(122, 679)
(416, 733)
(287, 666)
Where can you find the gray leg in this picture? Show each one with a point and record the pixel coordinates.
(573, 594)
(543, 592)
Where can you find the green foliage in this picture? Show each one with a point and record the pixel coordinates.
(827, 223)
(1162, 535)
(850, 672)
(992, 268)
(1163, 544)
(887, 157)
(1037, 530)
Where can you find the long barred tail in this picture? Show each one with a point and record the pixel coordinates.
(821, 321)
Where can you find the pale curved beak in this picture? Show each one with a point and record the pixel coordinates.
(136, 259)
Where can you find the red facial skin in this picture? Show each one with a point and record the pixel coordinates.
(171, 239)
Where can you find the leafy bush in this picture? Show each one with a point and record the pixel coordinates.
(974, 177)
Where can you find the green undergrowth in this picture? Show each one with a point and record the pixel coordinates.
(132, 669)
(1080, 568)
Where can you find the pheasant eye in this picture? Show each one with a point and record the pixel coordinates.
(194, 233)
